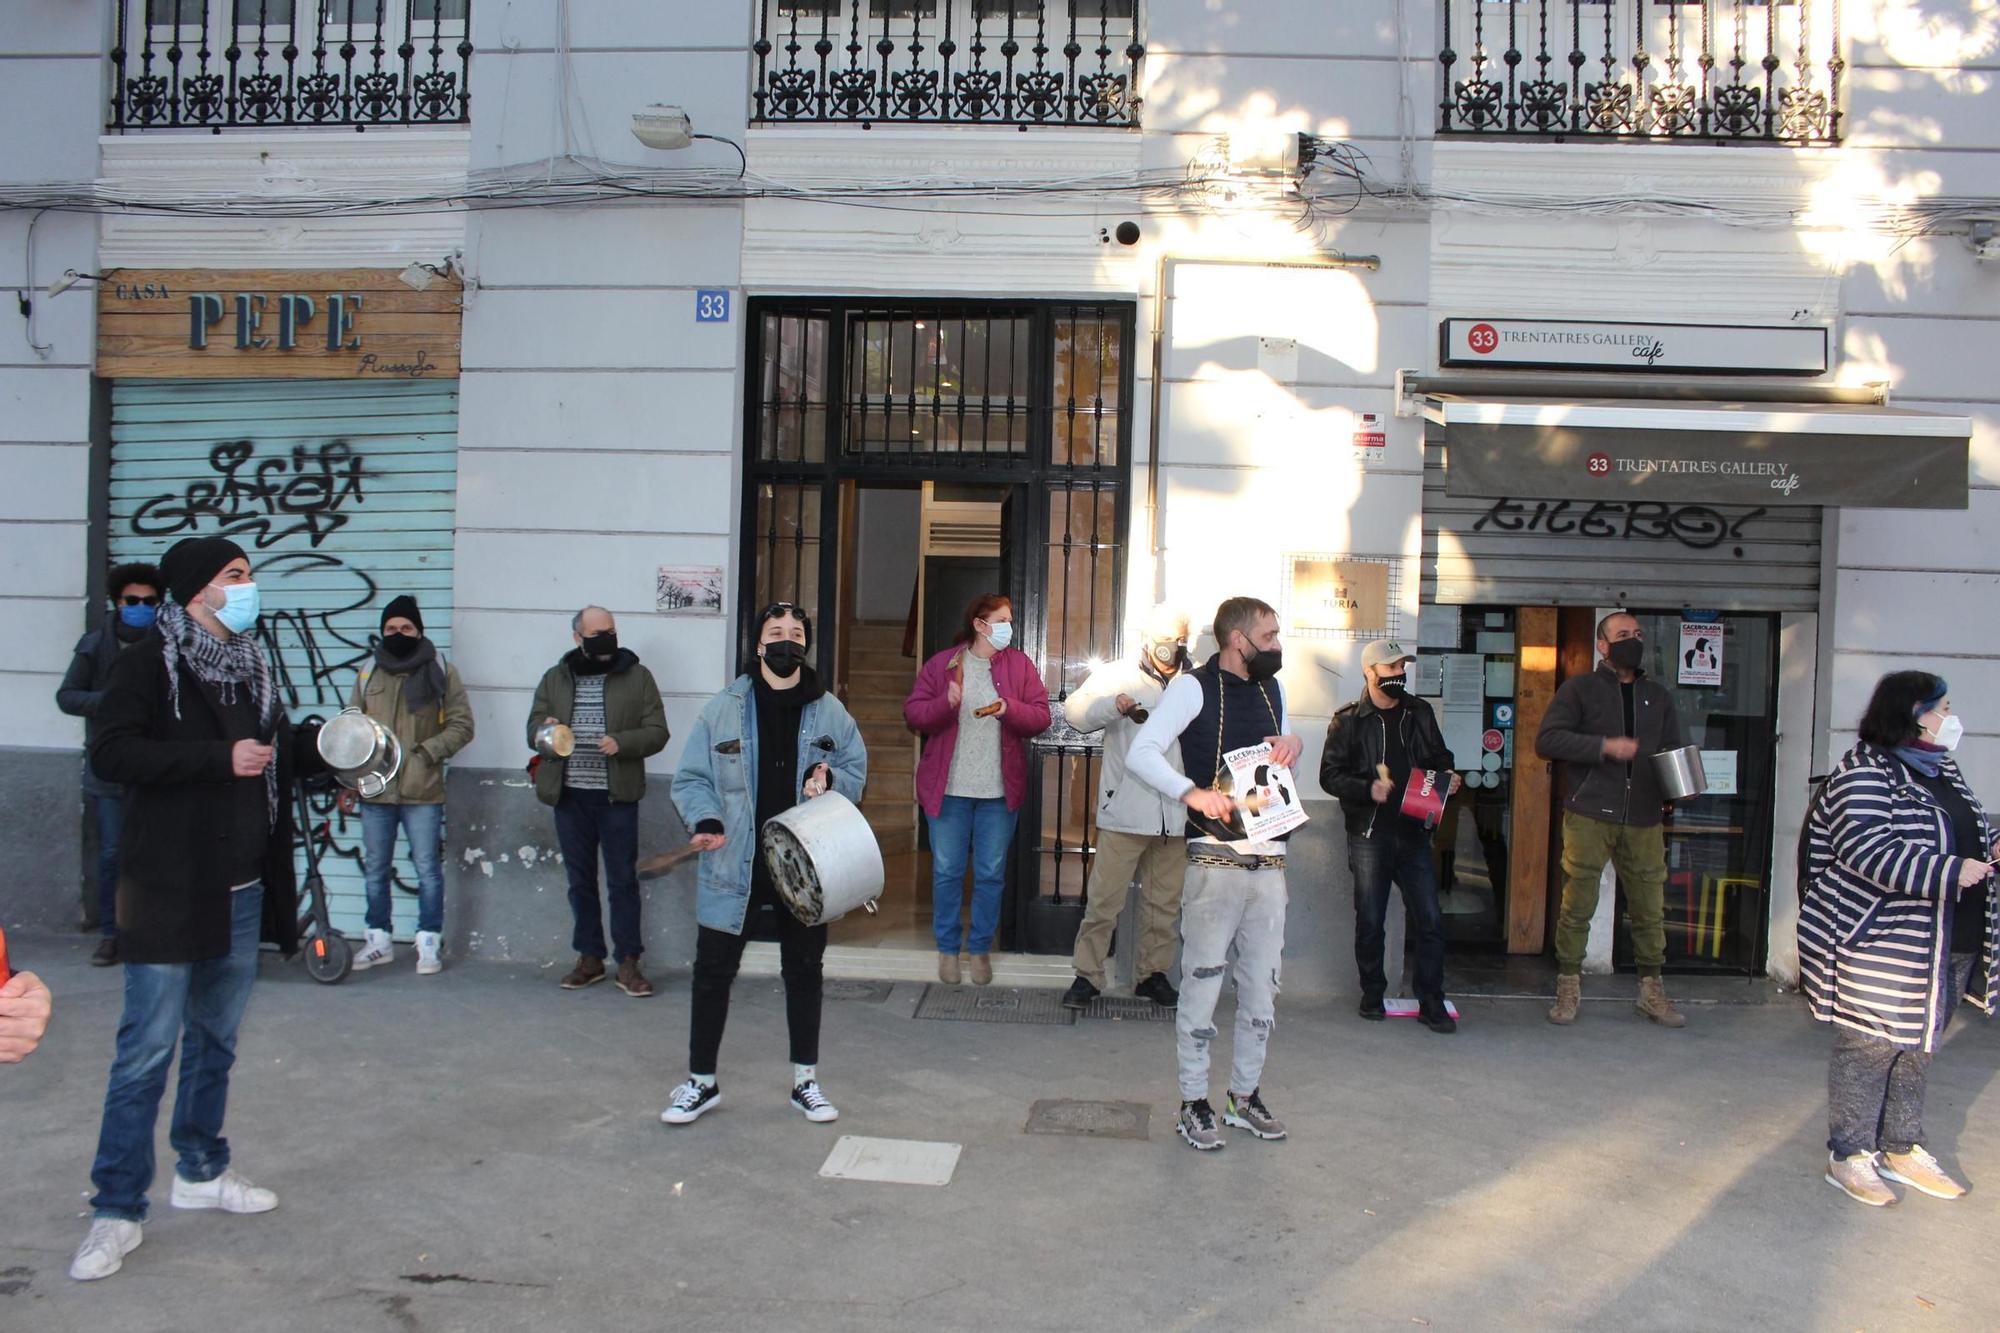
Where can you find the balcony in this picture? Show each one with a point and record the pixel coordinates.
(1706, 71)
(949, 62)
(220, 64)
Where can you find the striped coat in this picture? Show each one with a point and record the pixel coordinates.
(1872, 927)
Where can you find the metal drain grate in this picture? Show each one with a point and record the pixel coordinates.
(866, 992)
(1127, 1008)
(977, 1004)
(1094, 1120)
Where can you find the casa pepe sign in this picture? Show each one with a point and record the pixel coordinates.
(1557, 344)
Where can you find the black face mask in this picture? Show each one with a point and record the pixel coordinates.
(1263, 663)
(1626, 654)
(603, 646)
(399, 645)
(784, 658)
(1393, 686)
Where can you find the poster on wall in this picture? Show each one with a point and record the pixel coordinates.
(1339, 596)
(689, 590)
(1701, 652)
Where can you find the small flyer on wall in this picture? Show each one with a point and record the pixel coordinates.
(1267, 796)
(1701, 652)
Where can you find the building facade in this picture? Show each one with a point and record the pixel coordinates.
(1099, 303)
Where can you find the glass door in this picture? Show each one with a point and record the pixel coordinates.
(1722, 670)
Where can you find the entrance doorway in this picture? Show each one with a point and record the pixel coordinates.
(903, 459)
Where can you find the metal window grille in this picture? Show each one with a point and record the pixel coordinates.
(218, 64)
(1735, 71)
(982, 62)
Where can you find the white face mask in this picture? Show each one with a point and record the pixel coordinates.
(1948, 732)
(1000, 634)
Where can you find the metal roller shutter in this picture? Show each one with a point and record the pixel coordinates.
(1531, 552)
(342, 494)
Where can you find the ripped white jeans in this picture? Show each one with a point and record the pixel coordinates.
(1221, 907)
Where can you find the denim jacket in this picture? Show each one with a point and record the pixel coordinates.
(717, 779)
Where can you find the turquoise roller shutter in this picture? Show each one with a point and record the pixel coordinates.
(342, 495)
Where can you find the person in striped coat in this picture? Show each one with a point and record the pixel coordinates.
(1899, 924)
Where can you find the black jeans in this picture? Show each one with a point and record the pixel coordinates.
(1401, 852)
(717, 954)
(588, 822)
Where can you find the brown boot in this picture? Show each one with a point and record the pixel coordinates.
(1654, 1004)
(587, 972)
(982, 970)
(1569, 999)
(632, 981)
(948, 968)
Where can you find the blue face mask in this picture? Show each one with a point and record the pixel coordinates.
(139, 617)
(239, 610)
(1001, 634)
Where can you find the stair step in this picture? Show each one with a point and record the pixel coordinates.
(865, 711)
(885, 662)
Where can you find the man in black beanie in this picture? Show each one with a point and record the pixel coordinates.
(410, 689)
(191, 725)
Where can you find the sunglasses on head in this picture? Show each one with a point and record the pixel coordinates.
(130, 600)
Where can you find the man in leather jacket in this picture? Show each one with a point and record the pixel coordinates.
(1373, 745)
(1605, 728)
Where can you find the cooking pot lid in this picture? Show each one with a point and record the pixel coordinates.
(349, 740)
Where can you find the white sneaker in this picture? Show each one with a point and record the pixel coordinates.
(429, 945)
(375, 949)
(228, 1191)
(691, 1101)
(813, 1103)
(103, 1251)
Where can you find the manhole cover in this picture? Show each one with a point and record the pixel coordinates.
(1129, 1008)
(1097, 1120)
(867, 992)
(977, 1004)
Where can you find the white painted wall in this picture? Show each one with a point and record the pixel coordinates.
(51, 100)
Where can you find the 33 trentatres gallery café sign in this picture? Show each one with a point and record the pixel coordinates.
(276, 324)
(1551, 344)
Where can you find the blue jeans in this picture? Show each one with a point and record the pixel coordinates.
(198, 1005)
(978, 830)
(423, 829)
(1401, 852)
(110, 820)
(588, 822)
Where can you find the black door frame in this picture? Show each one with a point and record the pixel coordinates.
(1032, 474)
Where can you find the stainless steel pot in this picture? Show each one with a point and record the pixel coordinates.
(555, 740)
(362, 753)
(1680, 773)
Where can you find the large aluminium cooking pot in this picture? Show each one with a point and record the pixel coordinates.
(1680, 773)
(553, 740)
(823, 858)
(362, 753)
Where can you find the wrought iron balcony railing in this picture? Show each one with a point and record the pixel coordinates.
(974, 62)
(1765, 71)
(215, 64)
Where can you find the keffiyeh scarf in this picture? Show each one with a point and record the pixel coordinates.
(227, 664)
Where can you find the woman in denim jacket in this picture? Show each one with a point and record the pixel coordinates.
(772, 740)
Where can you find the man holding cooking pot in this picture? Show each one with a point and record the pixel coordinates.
(412, 691)
(1373, 748)
(1605, 728)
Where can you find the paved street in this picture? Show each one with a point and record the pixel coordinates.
(481, 1151)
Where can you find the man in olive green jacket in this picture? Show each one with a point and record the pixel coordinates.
(410, 689)
(612, 707)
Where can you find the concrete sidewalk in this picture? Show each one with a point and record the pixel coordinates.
(482, 1151)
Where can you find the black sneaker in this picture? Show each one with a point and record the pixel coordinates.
(1159, 990)
(1371, 1008)
(1437, 1018)
(1079, 995)
(1197, 1126)
(106, 954)
(691, 1100)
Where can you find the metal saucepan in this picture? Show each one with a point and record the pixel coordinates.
(1680, 773)
(554, 740)
(823, 858)
(363, 754)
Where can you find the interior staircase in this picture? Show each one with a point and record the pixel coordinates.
(879, 677)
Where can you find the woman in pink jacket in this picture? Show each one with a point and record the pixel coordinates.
(976, 704)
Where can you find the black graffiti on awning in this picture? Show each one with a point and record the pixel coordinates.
(1696, 526)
